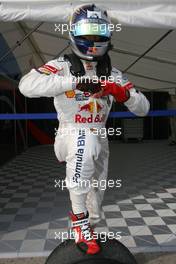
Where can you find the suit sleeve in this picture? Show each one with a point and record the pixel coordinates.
(138, 104)
(45, 81)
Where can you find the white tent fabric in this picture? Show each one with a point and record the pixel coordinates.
(146, 13)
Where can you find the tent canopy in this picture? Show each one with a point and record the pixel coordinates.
(147, 13)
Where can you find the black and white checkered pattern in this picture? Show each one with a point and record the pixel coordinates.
(33, 211)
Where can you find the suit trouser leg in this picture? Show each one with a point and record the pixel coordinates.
(83, 153)
(99, 182)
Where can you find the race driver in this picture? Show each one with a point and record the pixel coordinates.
(83, 106)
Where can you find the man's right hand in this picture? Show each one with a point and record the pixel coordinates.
(87, 85)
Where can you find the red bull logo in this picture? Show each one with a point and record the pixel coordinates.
(91, 107)
(86, 107)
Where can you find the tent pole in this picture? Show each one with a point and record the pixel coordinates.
(19, 42)
(149, 49)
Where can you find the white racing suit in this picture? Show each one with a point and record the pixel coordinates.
(86, 152)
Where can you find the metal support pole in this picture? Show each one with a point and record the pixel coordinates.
(19, 42)
(149, 49)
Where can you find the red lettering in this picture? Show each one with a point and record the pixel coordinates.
(89, 119)
(97, 119)
(83, 120)
(77, 118)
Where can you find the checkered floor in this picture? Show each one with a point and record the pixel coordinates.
(33, 212)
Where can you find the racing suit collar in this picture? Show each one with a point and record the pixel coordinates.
(89, 65)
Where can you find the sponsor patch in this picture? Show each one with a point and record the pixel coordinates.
(48, 69)
(82, 96)
(79, 156)
(78, 96)
(43, 71)
(70, 94)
